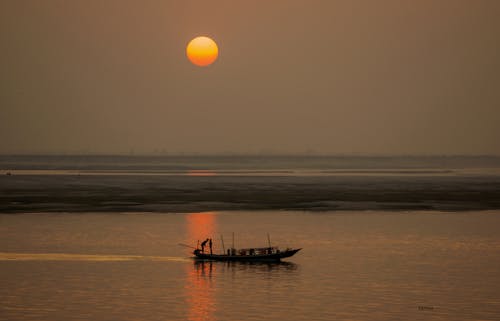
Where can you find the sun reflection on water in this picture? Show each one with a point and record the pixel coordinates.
(200, 285)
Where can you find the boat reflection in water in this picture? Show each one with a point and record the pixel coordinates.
(201, 292)
(237, 266)
(213, 283)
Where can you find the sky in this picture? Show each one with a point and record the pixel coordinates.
(326, 77)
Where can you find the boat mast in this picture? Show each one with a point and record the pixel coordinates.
(268, 240)
(222, 240)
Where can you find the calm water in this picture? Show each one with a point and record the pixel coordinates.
(354, 266)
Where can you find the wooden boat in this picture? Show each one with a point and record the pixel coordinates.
(248, 255)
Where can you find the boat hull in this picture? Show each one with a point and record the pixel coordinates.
(274, 257)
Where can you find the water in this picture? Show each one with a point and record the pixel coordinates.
(370, 265)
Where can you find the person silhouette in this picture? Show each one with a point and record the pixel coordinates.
(203, 245)
(210, 245)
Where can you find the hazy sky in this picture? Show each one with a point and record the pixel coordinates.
(336, 77)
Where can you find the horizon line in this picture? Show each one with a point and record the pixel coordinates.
(250, 154)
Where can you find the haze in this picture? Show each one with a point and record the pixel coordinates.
(331, 77)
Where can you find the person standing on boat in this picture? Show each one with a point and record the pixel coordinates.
(210, 245)
(203, 245)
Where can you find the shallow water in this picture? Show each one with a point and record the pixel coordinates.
(353, 266)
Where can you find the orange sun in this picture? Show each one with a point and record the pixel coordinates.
(202, 51)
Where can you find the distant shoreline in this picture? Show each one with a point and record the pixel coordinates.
(139, 193)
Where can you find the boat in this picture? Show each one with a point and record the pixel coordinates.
(273, 254)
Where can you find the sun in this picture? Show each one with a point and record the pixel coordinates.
(202, 51)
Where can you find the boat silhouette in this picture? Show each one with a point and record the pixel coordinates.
(248, 254)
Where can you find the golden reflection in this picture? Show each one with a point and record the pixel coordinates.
(200, 285)
(201, 292)
(200, 226)
(200, 172)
